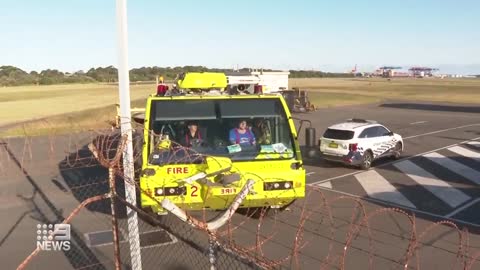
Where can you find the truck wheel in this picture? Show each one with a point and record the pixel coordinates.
(287, 206)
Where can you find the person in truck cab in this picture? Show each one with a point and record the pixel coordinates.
(242, 135)
(261, 130)
(193, 136)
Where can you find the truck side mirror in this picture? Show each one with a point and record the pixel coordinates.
(310, 137)
(139, 118)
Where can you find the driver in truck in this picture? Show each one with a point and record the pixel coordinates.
(241, 135)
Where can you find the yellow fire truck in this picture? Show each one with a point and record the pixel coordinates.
(201, 145)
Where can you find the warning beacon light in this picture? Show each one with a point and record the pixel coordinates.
(162, 89)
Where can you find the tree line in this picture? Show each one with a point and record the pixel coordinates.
(13, 76)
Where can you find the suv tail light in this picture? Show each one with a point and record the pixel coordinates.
(258, 89)
(353, 147)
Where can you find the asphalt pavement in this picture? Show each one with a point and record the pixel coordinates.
(438, 173)
(436, 179)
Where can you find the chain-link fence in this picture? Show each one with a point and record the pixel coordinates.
(78, 179)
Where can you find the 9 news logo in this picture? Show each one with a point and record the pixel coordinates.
(53, 237)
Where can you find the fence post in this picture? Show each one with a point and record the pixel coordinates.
(111, 165)
(113, 196)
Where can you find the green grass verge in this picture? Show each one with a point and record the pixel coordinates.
(440, 90)
(93, 119)
(26, 103)
(77, 107)
(334, 99)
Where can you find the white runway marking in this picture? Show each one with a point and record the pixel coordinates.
(460, 209)
(439, 131)
(439, 188)
(465, 152)
(326, 185)
(373, 200)
(456, 167)
(419, 122)
(474, 143)
(379, 188)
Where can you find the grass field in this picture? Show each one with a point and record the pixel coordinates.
(328, 92)
(24, 103)
(63, 108)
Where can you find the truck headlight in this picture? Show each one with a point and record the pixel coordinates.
(170, 191)
(148, 172)
(280, 185)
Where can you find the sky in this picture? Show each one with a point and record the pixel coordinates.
(303, 34)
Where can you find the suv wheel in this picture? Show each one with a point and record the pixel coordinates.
(367, 160)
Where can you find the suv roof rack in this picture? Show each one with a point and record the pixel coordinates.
(358, 120)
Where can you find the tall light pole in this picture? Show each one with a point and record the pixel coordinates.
(126, 128)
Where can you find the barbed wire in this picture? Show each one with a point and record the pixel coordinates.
(252, 238)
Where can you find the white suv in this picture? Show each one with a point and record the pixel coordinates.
(359, 142)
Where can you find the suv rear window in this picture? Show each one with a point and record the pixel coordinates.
(338, 134)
